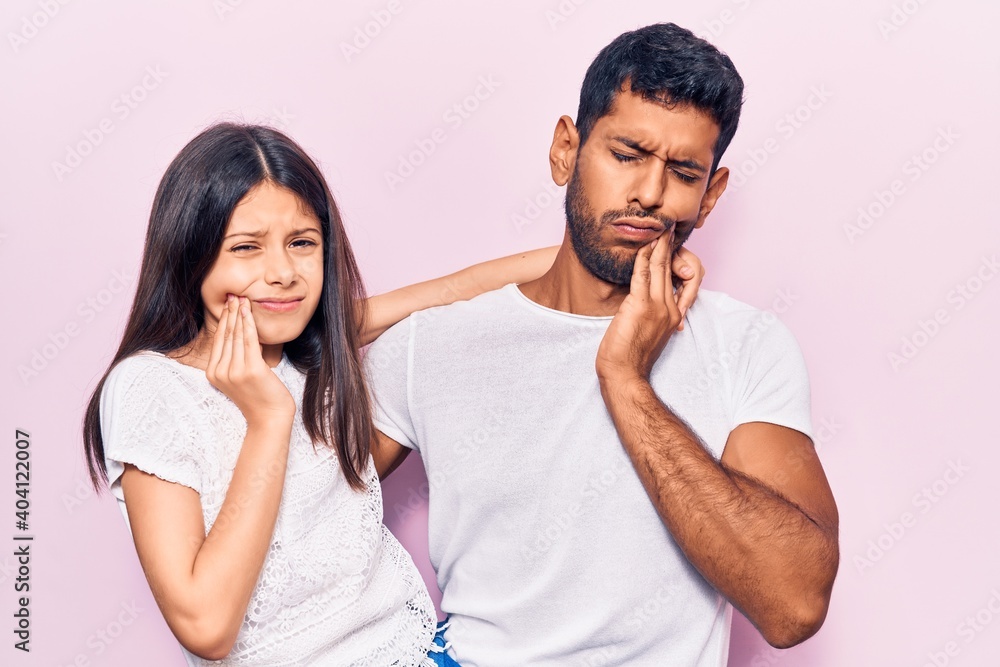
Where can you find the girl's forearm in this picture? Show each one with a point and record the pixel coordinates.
(203, 584)
(385, 310)
(232, 556)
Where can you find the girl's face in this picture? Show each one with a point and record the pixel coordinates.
(272, 254)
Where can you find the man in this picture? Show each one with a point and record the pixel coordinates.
(602, 483)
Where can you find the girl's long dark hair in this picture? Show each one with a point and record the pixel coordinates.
(193, 204)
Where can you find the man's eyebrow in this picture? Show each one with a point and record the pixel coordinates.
(261, 232)
(636, 146)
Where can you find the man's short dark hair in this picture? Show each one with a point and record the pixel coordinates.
(668, 64)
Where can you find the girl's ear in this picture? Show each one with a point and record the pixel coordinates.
(562, 153)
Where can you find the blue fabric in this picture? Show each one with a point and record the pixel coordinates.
(439, 652)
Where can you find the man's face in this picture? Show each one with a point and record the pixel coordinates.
(642, 172)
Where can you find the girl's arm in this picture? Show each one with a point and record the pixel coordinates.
(386, 309)
(203, 583)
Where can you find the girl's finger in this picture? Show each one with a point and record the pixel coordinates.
(250, 333)
(659, 269)
(685, 264)
(679, 298)
(689, 289)
(225, 359)
(217, 340)
(239, 362)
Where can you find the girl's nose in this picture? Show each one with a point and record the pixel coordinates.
(279, 269)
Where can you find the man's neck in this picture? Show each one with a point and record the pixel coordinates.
(568, 286)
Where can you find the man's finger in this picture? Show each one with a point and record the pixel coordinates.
(668, 297)
(659, 268)
(639, 287)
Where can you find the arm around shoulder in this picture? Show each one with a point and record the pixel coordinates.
(386, 309)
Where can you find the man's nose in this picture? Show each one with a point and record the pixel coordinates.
(649, 186)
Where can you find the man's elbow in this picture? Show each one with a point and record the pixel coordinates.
(801, 610)
(797, 623)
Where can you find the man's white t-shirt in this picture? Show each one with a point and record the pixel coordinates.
(546, 546)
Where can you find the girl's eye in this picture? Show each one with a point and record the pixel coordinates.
(303, 243)
(242, 248)
(621, 157)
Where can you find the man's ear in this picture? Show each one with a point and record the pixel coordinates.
(562, 154)
(716, 187)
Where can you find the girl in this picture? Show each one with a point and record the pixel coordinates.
(234, 427)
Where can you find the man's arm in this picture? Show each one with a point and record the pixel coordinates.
(761, 524)
(387, 454)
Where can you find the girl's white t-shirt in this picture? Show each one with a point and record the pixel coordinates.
(336, 587)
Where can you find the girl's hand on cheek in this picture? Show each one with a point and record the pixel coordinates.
(237, 369)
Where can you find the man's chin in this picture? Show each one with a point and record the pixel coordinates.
(610, 269)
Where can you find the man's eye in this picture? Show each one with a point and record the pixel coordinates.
(686, 177)
(621, 157)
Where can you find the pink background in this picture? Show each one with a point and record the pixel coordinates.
(840, 98)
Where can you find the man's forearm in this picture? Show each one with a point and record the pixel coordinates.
(759, 550)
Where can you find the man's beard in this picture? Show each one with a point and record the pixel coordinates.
(585, 235)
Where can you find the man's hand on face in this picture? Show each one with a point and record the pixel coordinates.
(650, 313)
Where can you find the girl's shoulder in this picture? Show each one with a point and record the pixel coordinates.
(149, 373)
(154, 414)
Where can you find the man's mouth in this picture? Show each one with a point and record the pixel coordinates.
(640, 224)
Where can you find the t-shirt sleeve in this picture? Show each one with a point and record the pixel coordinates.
(149, 418)
(771, 383)
(388, 365)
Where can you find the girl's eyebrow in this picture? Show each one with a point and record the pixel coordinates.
(261, 232)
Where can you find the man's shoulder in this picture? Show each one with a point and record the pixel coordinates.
(719, 307)
(488, 305)
(447, 324)
(732, 318)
